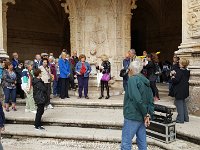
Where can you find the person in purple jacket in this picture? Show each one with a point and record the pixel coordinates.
(64, 75)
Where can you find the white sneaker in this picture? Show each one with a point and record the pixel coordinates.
(27, 110)
(123, 92)
(34, 111)
(50, 106)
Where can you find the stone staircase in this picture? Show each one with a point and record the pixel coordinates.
(78, 119)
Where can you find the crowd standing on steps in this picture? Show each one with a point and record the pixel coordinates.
(36, 80)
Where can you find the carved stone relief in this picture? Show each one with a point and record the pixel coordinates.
(193, 18)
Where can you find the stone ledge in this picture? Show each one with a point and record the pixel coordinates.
(84, 134)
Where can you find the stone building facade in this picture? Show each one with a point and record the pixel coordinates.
(96, 27)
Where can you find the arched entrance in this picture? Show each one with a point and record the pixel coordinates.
(36, 26)
(157, 26)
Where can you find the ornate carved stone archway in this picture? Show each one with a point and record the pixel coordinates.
(102, 26)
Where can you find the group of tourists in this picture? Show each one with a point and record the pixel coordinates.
(35, 79)
(139, 80)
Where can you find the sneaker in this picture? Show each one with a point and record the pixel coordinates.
(87, 97)
(79, 97)
(27, 110)
(156, 98)
(33, 111)
(14, 109)
(39, 128)
(50, 106)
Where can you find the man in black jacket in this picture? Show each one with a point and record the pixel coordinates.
(18, 72)
(40, 97)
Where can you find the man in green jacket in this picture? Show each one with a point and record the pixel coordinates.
(138, 107)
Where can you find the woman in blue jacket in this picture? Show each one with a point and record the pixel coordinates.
(64, 75)
(83, 70)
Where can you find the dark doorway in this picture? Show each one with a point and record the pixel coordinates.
(157, 26)
(36, 26)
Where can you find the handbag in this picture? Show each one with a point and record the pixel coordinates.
(105, 77)
(123, 73)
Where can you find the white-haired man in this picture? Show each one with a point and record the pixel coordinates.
(138, 106)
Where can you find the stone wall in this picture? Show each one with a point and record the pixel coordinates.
(36, 26)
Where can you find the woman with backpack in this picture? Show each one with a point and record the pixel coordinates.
(151, 73)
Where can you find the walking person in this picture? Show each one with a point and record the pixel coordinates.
(18, 72)
(105, 68)
(138, 108)
(47, 78)
(83, 70)
(26, 79)
(9, 80)
(40, 97)
(151, 74)
(2, 122)
(126, 63)
(64, 67)
(180, 82)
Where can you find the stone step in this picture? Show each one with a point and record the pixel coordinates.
(115, 102)
(94, 92)
(111, 103)
(85, 134)
(94, 118)
(71, 116)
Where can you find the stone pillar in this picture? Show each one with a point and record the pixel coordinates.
(3, 26)
(5, 9)
(2, 52)
(190, 49)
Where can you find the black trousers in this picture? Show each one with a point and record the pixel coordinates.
(48, 87)
(40, 112)
(64, 87)
(104, 84)
(72, 84)
(19, 90)
(154, 88)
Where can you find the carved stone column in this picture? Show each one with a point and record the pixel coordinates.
(2, 52)
(190, 48)
(3, 26)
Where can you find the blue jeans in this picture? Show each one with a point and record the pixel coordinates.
(55, 87)
(83, 84)
(10, 94)
(125, 82)
(129, 130)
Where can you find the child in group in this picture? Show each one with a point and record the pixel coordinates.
(2, 121)
(40, 97)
